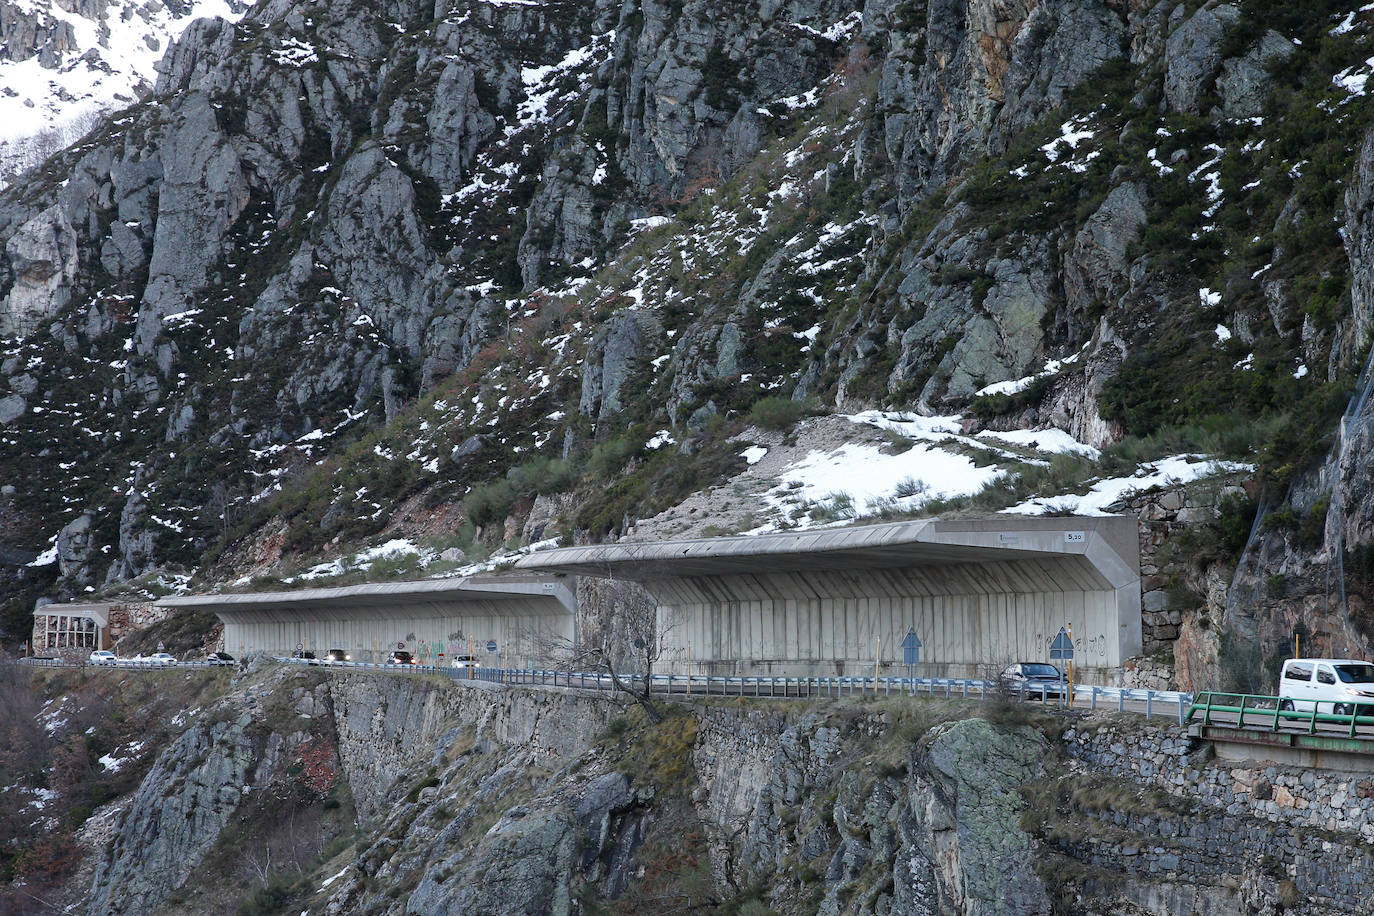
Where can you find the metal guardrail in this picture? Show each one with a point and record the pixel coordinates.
(745, 685)
(137, 663)
(1264, 712)
(1092, 697)
(700, 684)
(1162, 702)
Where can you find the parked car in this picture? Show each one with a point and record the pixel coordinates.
(1034, 678)
(338, 655)
(464, 661)
(102, 657)
(161, 658)
(1342, 686)
(220, 658)
(400, 657)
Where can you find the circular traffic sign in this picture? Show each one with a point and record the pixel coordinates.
(491, 645)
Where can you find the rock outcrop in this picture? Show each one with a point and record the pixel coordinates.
(41, 260)
(176, 817)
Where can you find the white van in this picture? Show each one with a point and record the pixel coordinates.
(1333, 685)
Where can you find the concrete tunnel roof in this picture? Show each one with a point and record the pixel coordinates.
(513, 595)
(1108, 545)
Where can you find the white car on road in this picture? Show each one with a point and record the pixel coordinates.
(1342, 686)
(102, 657)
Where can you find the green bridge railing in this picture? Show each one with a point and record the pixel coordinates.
(1256, 710)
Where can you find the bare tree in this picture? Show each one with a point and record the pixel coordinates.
(256, 862)
(18, 154)
(623, 638)
(224, 503)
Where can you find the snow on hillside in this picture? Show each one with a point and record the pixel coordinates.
(855, 480)
(81, 68)
(1178, 469)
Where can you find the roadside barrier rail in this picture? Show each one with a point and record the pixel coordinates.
(1091, 696)
(1171, 703)
(1163, 702)
(140, 663)
(1255, 711)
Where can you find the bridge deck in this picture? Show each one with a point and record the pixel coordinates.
(1245, 727)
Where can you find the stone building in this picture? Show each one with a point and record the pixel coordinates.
(77, 629)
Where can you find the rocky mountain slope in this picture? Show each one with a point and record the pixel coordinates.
(65, 65)
(488, 272)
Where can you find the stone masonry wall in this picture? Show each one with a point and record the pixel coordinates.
(1162, 513)
(1166, 759)
(125, 618)
(1314, 826)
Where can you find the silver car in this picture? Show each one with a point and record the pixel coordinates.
(1034, 679)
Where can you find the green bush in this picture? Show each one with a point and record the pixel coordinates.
(489, 503)
(910, 486)
(834, 507)
(607, 459)
(776, 413)
(990, 406)
(615, 728)
(542, 475)
(266, 898)
(428, 782)
(1313, 527)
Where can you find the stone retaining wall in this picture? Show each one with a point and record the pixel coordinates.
(1164, 758)
(1162, 513)
(1315, 826)
(126, 618)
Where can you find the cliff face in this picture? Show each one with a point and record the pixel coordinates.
(377, 794)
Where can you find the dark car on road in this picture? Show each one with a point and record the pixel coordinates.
(400, 657)
(1034, 679)
(220, 658)
(338, 655)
